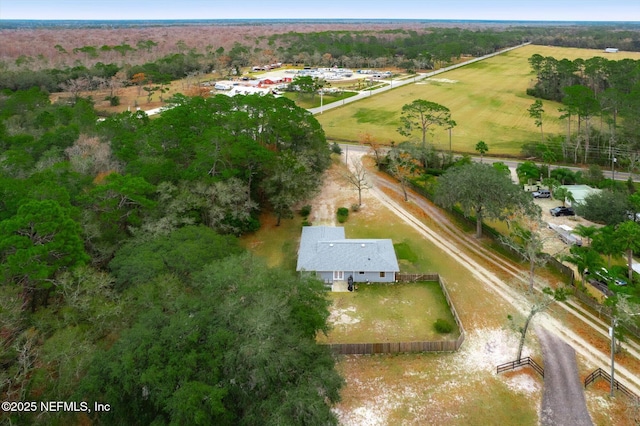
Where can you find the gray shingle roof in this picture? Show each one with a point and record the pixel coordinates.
(324, 248)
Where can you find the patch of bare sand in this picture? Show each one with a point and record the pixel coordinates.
(337, 192)
(553, 244)
(428, 390)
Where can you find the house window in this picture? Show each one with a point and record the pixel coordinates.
(361, 272)
(338, 275)
(381, 274)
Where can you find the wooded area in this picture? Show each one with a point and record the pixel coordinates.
(108, 231)
(123, 281)
(601, 99)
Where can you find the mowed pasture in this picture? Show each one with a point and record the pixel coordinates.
(487, 100)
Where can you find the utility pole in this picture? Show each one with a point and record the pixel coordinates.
(613, 168)
(612, 333)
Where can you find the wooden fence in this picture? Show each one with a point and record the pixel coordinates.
(408, 347)
(520, 363)
(411, 278)
(396, 347)
(616, 384)
(551, 261)
(604, 311)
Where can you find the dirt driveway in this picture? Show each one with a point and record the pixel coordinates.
(552, 243)
(483, 263)
(563, 401)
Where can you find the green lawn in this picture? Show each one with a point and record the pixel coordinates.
(403, 312)
(278, 245)
(306, 101)
(487, 100)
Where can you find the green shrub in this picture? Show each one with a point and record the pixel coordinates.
(443, 326)
(113, 100)
(305, 210)
(335, 148)
(306, 223)
(343, 214)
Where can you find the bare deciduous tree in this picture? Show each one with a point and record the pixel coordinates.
(356, 176)
(526, 239)
(76, 86)
(540, 302)
(88, 155)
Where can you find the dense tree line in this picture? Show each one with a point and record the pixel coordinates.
(421, 47)
(120, 235)
(98, 76)
(601, 100)
(595, 36)
(407, 48)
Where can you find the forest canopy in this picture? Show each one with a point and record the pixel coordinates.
(123, 280)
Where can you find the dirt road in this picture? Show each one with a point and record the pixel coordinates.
(448, 237)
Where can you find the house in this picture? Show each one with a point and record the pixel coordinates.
(579, 193)
(325, 251)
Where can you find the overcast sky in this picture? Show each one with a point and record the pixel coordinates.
(546, 10)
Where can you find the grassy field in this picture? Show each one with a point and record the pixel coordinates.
(308, 102)
(487, 99)
(382, 313)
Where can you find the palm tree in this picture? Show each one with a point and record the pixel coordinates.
(605, 243)
(482, 148)
(586, 231)
(628, 237)
(562, 193)
(584, 258)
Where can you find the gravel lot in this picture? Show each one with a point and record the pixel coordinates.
(553, 244)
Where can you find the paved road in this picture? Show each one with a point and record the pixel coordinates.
(510, 162)
(563, 401)
(619, 175)
(393, 84)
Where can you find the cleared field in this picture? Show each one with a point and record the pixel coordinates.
(487, 99)
(379, 313)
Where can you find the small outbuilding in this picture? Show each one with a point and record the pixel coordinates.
(579, 193)
(611, 50)
(326, 252)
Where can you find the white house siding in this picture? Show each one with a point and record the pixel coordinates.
(389, 276)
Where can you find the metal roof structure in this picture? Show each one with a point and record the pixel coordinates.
(325, 248)
(580, 192)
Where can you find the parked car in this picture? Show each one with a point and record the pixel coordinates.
(542, 193)
(603, 276)
(634, 217)
(562, 211)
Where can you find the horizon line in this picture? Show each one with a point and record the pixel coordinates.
(308, 19)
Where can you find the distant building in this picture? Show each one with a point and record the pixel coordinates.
(611, 50)
(273, 80)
